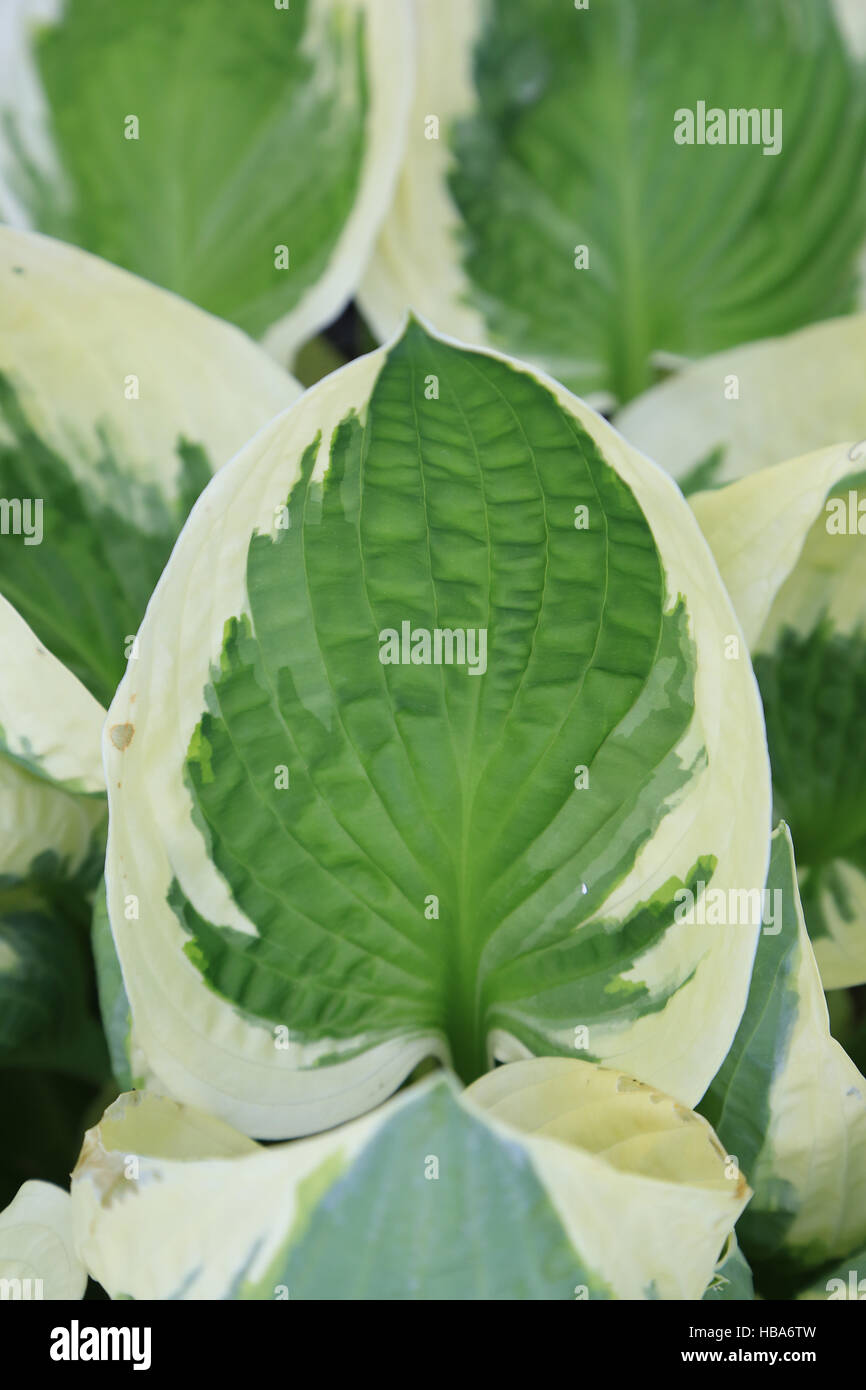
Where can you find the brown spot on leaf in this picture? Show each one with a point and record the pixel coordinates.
(628, 1083)
(121, 735)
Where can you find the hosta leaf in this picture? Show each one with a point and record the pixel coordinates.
(323, 866)
(545, 205)
(789, 1105)
(240, 155)
(37, 1252)
(117, 401)
(752, 406)
(789, 542)
(434, 1196)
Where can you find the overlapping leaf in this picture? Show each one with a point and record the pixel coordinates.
(546, 207)
(240, 155)
(436, 1195)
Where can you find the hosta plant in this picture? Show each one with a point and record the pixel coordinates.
(439, 844)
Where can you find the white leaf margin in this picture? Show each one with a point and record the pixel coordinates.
(796, 394)
(49, 722)
(415, 263)
(73, 328)
(52, 784)
(757, 526)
